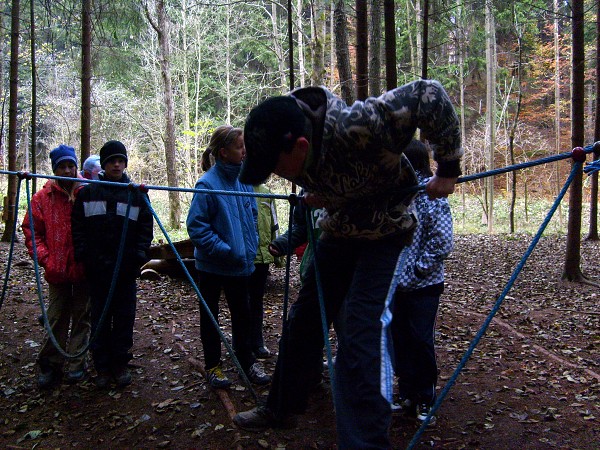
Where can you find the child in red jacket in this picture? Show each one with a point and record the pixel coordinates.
(67, 290)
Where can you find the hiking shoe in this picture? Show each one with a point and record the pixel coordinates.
(404, 406)
(47, 379)
(217, 379)
(102, 380)
(122, 376)
(256, 374)
(256, 419)
(75, 376)
(423, 410)
(262, 353)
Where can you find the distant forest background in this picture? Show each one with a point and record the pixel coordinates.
(160, 75)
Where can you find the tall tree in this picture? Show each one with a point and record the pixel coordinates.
(343, 53)
(375, 47)
(86, 78)
(32, 40)
(161, 28)
(425, 41)
(11, 197)
(513, 128)
(572, 269)
(557, 102)
(593, 227)
(389, 17)
(362, 50)
(490, 105)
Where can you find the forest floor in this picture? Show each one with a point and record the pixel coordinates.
(533, 382)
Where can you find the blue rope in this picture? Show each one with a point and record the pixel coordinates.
(576, 167)
(202, 302)
(12, 242)
(592, 167)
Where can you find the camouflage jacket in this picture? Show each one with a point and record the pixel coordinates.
(356, 163)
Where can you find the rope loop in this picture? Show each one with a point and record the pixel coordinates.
(24, 176)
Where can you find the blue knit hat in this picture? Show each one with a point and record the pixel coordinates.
(62, 153)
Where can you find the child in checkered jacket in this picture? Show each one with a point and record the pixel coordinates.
(418, 295)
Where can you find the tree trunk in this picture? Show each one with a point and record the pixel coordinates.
(12, 123)
(389, 17)
(161, 29)
(425, 40)
(593, 228)
(375, 48)
(301, 67)
(86, 78)
(277, 45)
(317, 77)
(33, 95)
(490, 122)
(513, 129)
(343, 53)
(572, 270)
(362, 50)
(557, 106)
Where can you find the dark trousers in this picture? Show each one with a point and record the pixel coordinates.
(256, 292)
(413, 328)
(236, 294)
(111, 348)
(355, 277)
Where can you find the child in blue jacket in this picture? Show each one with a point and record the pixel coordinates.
(223, 231)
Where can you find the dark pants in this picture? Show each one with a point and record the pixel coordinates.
(357, 275)
(236, 294)
(413, 328)
(111, 349)
(256, 292)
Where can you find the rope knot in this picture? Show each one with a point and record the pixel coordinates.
(578, 154)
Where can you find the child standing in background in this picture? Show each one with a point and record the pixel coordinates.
(98, 220)
(418, 296)
(223, 231)
(267, 231)
(69, 302)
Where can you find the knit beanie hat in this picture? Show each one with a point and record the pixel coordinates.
(110, 150)
(62, 153)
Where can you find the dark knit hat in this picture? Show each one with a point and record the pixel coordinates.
(271, 127)
(62, 153)
(112, 149)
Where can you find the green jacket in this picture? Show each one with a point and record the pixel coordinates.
(267, 225)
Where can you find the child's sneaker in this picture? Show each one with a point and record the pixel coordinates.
(256, 374)
(423, 411)
(217, 379)
(405, 407)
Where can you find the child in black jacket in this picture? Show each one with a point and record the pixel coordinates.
(97, 224)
